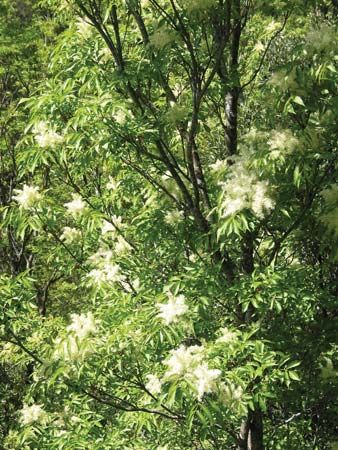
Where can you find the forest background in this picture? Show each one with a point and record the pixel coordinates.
(169, 224)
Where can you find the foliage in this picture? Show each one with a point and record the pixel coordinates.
(176, 198)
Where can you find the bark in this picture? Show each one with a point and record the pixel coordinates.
(251, 432)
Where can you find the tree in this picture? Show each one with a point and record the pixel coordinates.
(180, 156)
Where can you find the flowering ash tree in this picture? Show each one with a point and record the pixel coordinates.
(179, 184)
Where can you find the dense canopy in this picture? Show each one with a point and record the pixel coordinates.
(169, 224)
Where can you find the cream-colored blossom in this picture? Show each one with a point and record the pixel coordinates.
(70, 235)
(83, 28)
(107, 227)
(112, 272)
(323, 38)
(243, 190)
(46, 136)
(219, 165)
(171, 311)
(112, 184)
(231, 394)
(183, 360)
(282, 141)
(33, 413)
(153, 385)
(261, 201)
(174, 217)
(120, 117)
(204, 379)
(102, 255)
(97, 277)
(77, 206)
(121, 246)
(82, 325)
(28, 196)
(108, 273)
(161, 37)
(226, 336)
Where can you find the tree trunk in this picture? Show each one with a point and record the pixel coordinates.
(251, 432)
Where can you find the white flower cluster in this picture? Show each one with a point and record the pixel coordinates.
(106, 270)
(76, 345)
(107, 273)
(173, 217)
(112, 228)
(77, 206)
(282, 141)
(187, 363)
(82, 325)
(330, 218)
(45, 136)
(33, 413)
(120, 117)
(176, 307)
(231, 395)
(161, 37)
(27, 197)
(321, 39)
(112, 184)
(243, 190)
(219, 166)
(284, 80)
(226, 336)
(83, 28)
(70, 235)
(154, 384)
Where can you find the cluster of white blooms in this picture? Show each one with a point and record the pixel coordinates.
(321, 39)
(154, 384)
(120, 117)
(112, 227)
(243, 190)
(101, 256)
(70, 235)
(284, 80)
(161, 37)
(82, 325)
(204, 379)
(170, 184)
(187, 363)
(77, 206)
(219, 166)
(112, 184)
(108, 273)
(107, 227)
(231, 394)
(330, 219)
(174, 217)
(27, 197)
(330, 195)
(105, 54)
(45, 136)
(121, 246)
(33, 413)
(183, 359)
(175, 307)
(76, 345)
(282, 141)
(226, 336)
(83, 28)
(328, 371)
